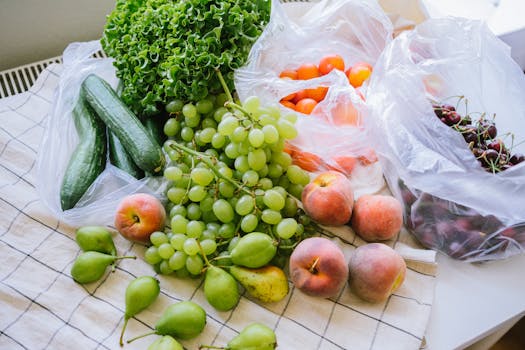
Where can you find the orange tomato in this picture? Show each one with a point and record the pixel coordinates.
(289, 74)
(299, 95)
(368, 158)
(306, 105)
(307, 71)
(344, 113)
(358, 73)
(343, 163)
(306, 160)
(289, 97)
(317, 94)
(330, 62)
(288, 104)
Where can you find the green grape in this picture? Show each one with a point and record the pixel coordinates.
(277, 146)
(194, 228)
(166, 250)
(271, 134)
(257, 159)
(256, 138)
(286, 228)
(233, 242)
(231, 151)
(239, 134)
(244, 205)
(151, 255)
(164, 268)
(212, 153)
(286, 129)
(178, 209)
(243, 147)
(251, 104)
(275, 170)
(209, 246)
(197, 193)
(197, 138)
(282, 158)
(233, 201)
(249, 223)
(194, 211)
(270, 216)
(207, 234)
(213, 227)
(189, 110)
(185, 169)
(173, 155)
(172, 127)
(172, 173)
(177, 240)
(194, 264)
(177, 260)
(281, 190)
(290, 207)
(226, 230)
(223, 211)
(221, 99)
(226, 171)
(273, 200)
(157, 238)
(241, 164)
(250, 178)
(296, 175)
(227, 125)
(193, 121)
(186, 133)
(202, 176)
(218, 141)
(179, 224)
(169, 235)
(176, 195)
(300, 229)
(296, 190)
(206, 135)
(191, 246)
(204, 106)
(226, 189)
(209, 216)
(265, 183)
(182, 272)
(208, 123)
(174, 106)
(283, 182)
(266, 119)
(264, 171)
(206, 204)
(219, 113)
(291, 117)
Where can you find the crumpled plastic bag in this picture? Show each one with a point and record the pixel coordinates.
(97, 205)
(453, 204)
(332, 136)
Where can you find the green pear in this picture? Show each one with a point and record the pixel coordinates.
(90, 266)
(95, 238)
(256, 336)
(267, 284)
(220, 288)
(140, 293)
(165, 343)
(254, 250)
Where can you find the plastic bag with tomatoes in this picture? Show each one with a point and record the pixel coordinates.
(447, 109)
(315, 58)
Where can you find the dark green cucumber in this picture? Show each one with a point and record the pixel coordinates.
(89, 157)
(119, 157)
(155, 126)
(145, 151)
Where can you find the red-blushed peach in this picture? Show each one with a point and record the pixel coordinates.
(328, 199)
(318, 267)
(138, 216)
(377, 217)
(375, 272)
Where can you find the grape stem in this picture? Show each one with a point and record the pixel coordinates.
(224, 85)
(207, 160)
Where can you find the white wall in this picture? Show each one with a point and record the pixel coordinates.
(33, 30)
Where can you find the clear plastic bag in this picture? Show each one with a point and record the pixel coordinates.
(97, 205)
(453, 204)
(332, 136)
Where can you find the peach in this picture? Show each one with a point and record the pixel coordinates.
(377, 217)
(328, 199)
(138, 216)
(375, 272)
(318, 267)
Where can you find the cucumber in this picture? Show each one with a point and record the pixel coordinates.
(89, 157)
(143, 149)
(119, 157)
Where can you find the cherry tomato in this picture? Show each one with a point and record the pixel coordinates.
(307, 71)
(330, 62)
(306, 105)
(358, 73)
(299, 95)
(317, 94)
(288, 104)
(288, 74)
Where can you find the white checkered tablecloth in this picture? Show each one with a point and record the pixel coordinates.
(41, 307)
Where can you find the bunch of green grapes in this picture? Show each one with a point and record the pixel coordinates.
(229, 176)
